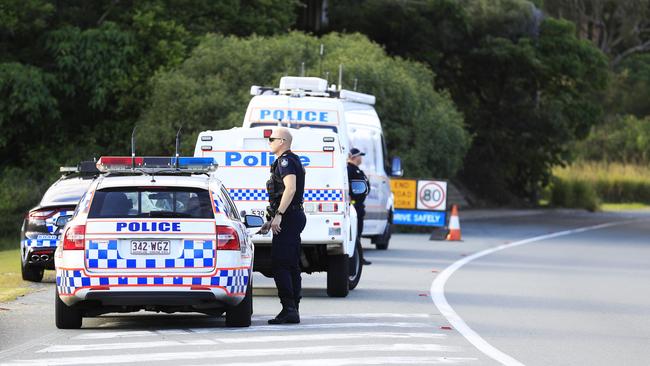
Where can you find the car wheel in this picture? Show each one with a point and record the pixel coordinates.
(381, 241)
(356, 266)
(67, 317)
(33, 274)
(338, 279)
(240, 315)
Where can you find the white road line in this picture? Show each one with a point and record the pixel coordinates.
(439, 299)
(389, 360)
(194, 355)
(303, 326)
(357, 316)
(254, 328)
(247, 340)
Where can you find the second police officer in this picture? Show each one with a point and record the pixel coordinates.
(355, 173)
(286, 220)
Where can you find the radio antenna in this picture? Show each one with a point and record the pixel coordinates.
(355, 83)
(178, 143)
(320, 61)
(133, 148)
(340, 76)
(302, 69)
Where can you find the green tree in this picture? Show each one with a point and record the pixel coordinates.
(525, 83)
(618, 28)
(210, 91)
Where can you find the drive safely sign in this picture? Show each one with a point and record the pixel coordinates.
(419, 202)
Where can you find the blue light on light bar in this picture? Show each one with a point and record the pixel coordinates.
(190, 161)
(156, 163)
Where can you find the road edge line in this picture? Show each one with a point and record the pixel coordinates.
(440, 301)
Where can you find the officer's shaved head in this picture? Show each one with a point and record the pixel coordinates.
(280, 140)
(285, 134)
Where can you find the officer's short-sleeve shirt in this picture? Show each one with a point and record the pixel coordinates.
(287, 166)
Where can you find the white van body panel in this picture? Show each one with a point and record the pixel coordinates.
(357, 125)
(244, 166)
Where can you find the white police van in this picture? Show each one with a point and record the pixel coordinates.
(159, 234)
(308, 102)
(328, 238)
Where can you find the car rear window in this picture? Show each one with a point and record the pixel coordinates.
(151, 202)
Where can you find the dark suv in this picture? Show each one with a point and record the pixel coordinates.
(40, 232)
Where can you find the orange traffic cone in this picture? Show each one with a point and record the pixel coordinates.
(454, 225)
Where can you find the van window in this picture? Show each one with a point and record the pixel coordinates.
(294, 125)
(365, 140)
(151, 202)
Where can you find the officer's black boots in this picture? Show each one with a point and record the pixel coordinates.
(288, 315)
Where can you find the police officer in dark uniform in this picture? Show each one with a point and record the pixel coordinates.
(286, 220)
(354, 172)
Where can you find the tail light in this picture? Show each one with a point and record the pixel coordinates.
(227, 238)
(38, 217)
(74, 238)
(328, 207)
(40, 214)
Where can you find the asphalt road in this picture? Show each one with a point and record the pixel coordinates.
(581, 298)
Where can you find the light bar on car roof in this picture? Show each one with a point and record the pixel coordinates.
(155, 163)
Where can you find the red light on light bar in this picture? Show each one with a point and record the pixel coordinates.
(119, 160)
(336, 223)
(267, 133)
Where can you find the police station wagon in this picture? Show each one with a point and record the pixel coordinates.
(159, 234)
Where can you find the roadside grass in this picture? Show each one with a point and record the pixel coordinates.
(11, 280)
(625, 206)
(599, 185)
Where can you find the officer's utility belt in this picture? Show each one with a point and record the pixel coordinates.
(295, 207)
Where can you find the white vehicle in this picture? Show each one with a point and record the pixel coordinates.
(328, 238)
(159, 234)
(308, 102)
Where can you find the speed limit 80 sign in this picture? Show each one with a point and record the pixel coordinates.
(432, 195)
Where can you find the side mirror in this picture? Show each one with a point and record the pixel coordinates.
(358, 187)
(396, 167)
(253, 221)
(62, 220)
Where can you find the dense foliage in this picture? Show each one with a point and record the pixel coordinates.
(499, 91)
(525, 83)
(210, 91)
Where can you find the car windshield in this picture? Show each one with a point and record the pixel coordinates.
(295, 125)
(65, 192)
(151, 202)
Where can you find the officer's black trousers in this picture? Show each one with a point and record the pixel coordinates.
(361, 213)
(285, 256)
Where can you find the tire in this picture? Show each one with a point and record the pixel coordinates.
(381, 241)
(240, 316)
(33, 274)
(66, 317)
(338, 279)
(356, 267)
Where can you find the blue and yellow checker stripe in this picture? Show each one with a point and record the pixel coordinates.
(232, 280)
(310, 195)
(104, 254)
(40, 243)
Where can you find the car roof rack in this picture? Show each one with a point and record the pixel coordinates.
(86, 168)
(313, 87)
